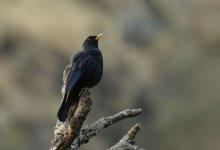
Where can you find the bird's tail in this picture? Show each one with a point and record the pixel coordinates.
(64, 110)
(67, 103)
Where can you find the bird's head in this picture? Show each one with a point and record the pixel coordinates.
(91, 42)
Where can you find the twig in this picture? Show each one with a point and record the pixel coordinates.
(128, 141)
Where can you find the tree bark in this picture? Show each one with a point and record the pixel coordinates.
(70, 135)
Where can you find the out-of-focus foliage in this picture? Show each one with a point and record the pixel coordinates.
(160, 55)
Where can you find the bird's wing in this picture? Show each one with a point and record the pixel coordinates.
(79, 64)
(74, 77)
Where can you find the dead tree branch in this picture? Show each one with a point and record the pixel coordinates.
(128, 141)
(91, 130)
(70, 135)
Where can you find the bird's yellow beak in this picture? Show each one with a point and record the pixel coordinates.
(98, 36)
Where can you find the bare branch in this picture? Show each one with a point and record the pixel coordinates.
(128, 141)
(66, 132)
(90, 131)
(70, 135)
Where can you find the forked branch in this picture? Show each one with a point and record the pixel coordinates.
(70, 135)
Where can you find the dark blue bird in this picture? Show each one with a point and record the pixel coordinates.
(84, 71)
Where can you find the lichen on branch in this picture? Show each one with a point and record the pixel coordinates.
(70, 135)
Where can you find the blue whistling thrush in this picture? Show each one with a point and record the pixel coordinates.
(84, 71)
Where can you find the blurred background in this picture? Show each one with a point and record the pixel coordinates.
(162, 56)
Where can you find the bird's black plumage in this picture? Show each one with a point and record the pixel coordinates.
(84, 71)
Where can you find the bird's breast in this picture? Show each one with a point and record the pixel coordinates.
(94, 71)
